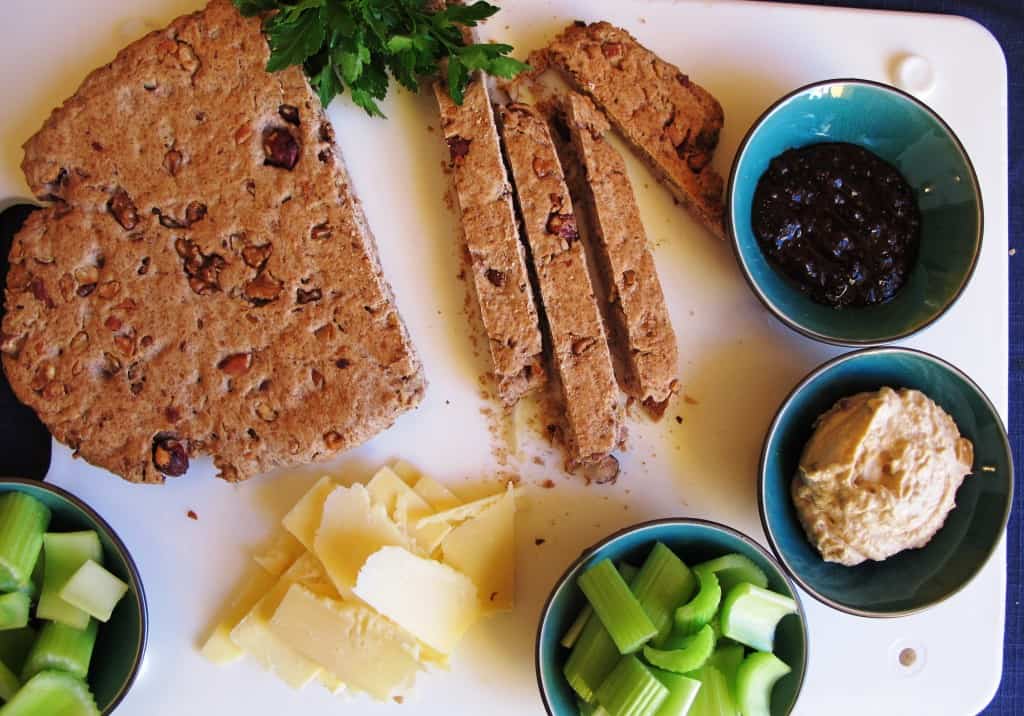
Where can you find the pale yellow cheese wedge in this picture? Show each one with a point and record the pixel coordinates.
(280, 554)
(253, 634)
(331, 682)
(351, 641)
(484, 549)
(430, 600)
(407, 471)
(218, 647)
(437, 495)
(406, 508)
(303, 520)
(351, 529)
(310, 573)
(462, 512)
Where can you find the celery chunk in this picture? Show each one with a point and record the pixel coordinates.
(682, 692)
(64, 553)
(52, 693)
(662, 584)
(576, 628)
(691, 653)
(727, 660)
(61, 648)
(699, 611)
(14, 609)
(94, 590)
(755, 679)
(750, 614)
(9, 683)
(15, 645)
(616, 607)
(23, 520)
(714, 698)
(631, 690)
(733, 569)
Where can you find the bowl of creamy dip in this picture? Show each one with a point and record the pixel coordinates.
(885, 481)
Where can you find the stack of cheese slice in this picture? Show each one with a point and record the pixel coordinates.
(369, 584)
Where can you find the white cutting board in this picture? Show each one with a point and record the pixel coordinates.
(737, 362)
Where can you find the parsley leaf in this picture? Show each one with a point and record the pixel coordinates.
(356, 44)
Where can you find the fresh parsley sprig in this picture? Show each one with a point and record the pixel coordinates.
(357, 43)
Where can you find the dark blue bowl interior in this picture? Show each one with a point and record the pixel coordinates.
(694, 541)
(913, 579)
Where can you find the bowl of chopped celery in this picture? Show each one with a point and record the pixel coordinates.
(674, 617)
(73, 618)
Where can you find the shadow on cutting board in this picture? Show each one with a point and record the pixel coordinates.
(24, 441)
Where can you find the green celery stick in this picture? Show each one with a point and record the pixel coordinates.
(727, 660)
(750, 614)
(574, 631)
(682, 692)
(755, 679)
(9, 683)
(701, 609)
(662, 584)
(94, 590)
(631, 690)
(52, 693)
(714, 697)
(61, 648)
(594, 655)
(35, 583)
(23, 520)
(64, 553)
(691, 654)
(732, 569)
(616, 607)
(14, 647)
(14, 609)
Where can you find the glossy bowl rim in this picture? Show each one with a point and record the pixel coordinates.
(588, 552)
(133, 572)
(773, 428)
(755, 287)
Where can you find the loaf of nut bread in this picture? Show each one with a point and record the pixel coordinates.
(203, 280)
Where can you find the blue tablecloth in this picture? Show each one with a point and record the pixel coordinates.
(1005, 19)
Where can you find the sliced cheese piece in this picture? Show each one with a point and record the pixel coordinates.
(406, 470)
(218, 647)
(331, 682)
(279, 555)
(351, 529)
(484, 549)
(430, 600)
(351, 641)
(310, 573)
(253, 634)
(463, 512)
(406, 508)
(437, 495)
(303, 519)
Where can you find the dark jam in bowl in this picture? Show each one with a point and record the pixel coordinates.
(839, 221)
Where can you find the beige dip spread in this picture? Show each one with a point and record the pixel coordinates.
(879, 475)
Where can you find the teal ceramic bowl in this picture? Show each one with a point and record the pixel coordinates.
(694, 541)
(121, 642)
(914, 579)
(912, 137)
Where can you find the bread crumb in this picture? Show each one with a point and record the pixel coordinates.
(398, 699)
(679, 418)
(192, 515)
(548, 484)
(689, 400)
(539, 541)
